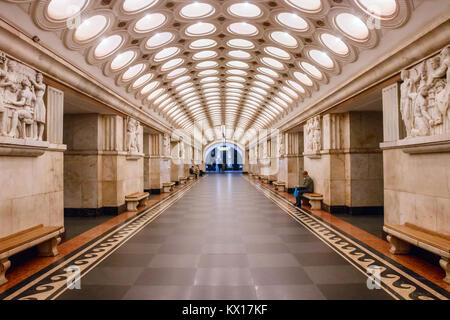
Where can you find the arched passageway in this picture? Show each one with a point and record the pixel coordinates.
(223, 156)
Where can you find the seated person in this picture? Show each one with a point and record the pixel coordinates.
(307, 187)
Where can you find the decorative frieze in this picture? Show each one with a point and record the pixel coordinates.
(424, 96)
(313, 136)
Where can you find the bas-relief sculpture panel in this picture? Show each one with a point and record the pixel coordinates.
(134, 136)
(425, 95)
(313, 135)
(22, 107)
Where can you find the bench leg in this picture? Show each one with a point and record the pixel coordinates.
(398, 246)
(49, 248)
(445, 264)
(4, 266)
(166, 189)
(315, 204)
(132, 205)
(143, 202)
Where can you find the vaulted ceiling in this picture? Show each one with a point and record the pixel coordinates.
(226, 66)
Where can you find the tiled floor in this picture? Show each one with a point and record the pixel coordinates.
(224, 240)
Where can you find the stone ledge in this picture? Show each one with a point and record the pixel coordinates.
(22, 147)
(420, 145)
(134, 156)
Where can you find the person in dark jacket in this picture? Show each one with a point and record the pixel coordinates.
(307, 187)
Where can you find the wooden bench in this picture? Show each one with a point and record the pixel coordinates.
(272, 178)
(315, 200)
(136, 199)
(264, 179)
(182, 180)
(45, 238)
(401, 237)
(168, 186)
(191, 177)
(279, 186)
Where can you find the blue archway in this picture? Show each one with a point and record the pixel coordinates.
(223, 156)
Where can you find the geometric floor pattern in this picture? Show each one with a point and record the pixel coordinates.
(224, 240)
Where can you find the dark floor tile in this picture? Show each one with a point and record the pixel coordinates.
(180, 248)
(158, 293)
(223, 293)
(320, 259)
(174, 261)
(120, 276)
(280, 276)
(127, 260)
(263, 260)
(139, 247)
(308, 247)
(289, 292)
(335, 274)
(223, 248)
(223, 261)
(266, 248)
(223, 277)
(167, 276)
(307, 237)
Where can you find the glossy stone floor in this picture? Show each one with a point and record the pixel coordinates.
(224, 240)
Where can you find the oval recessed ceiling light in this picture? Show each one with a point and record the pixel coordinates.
(200, 29)
(272, 63)
(290, 92)
(107, 46)
(206, 64)
(335, 44)
(137, 5)
(237, 72)
(240, 44)
(155, 93)
(159, 39)
(284, 39)
(235, 85)
(176, 73)
(245, 10)
(243, 28)
(152, 85)
(90, 28)
(209, 79)
(197, 10)
(382, 9)
(239, 54)
(306, 5)
(166, 53)
(236, 79)
(312, 70)
(303, 78)
(207, 54)
(180, 80)
(122, 59)
(265, 78)
(172, 64)
(321, 58)
(64, 9)
(237, 64)
(261, 84)
(268, 72)
(149, 22)
(352, 26)
(210, 72)
(141, 80)
(277, 52)
(292, 21)
(296, 86)
(133, 71)
(203, 44)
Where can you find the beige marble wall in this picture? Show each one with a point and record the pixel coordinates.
(417, 189)
(32, 193)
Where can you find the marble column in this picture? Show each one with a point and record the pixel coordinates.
(291, 163)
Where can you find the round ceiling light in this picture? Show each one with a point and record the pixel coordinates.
(243, 28)
(321, 58)
(176, 73)
(172, 64)
(237, 64)
(90, 28)
(166, 53)
(149, 22)
(159, 39)
(352, 26)
(272, 63)
(312, 70)
(239, 54)
(206, 64)
(292, 21)
(137, 5)
(133, 71)
(152, 85)
(122, 59)
(202, 44)
(382, 9)
(107, 46)
(245, 10)
(284, 39)
(64, 9)
(335, 44)
(197, 10)
(200, 29)
(306, 5)
(240, 44)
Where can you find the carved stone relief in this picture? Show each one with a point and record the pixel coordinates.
(134, 132)
(281, 146)
(425, 95)
(22, 107)
(166, 145)
(313, 135)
